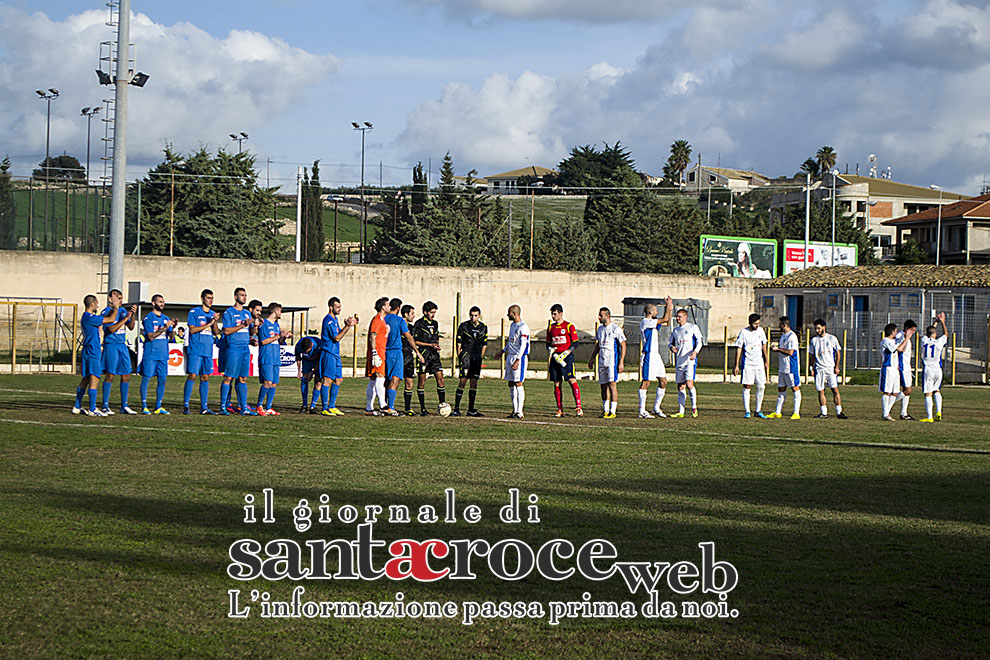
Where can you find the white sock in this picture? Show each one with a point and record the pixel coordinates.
(380, 390)
(780, 401)
(515, 399)
(760, 391)
(660, 394)
(928, 406)
(369, 394)
(746, 399)
(612, 405)
(694, 398)
(642, 400)
(605, 406)
(904, 405)
(797, 402)
(938, 402)
(838, 409)
(522, 398)
(681, 396)
(888, 403)
(824, 410)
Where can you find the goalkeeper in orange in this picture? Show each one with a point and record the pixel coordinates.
(561, 338)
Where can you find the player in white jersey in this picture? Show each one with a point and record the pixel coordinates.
(905, 366)
(752, 361)
(890, 373)
(651, 366)
(685, 343)
(788, 368)
(826, 354)
(516, 356)
(931, 368)
(610, 347)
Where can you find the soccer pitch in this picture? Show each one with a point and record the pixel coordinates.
(855, 538)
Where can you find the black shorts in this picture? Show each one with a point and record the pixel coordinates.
(470, 365)
(559, 373)
(432, 364)
(408, 365)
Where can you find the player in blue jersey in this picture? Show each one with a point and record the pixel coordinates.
(331, 367)
(238, 326)
(397, 330)
(307, 352)
(154, 362)
(116, 354)
(92, 358)
(204, 326)
(270, 338)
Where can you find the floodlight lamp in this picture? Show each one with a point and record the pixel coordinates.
(53, 91)
(42, 94)
(244, 135)
(232, 136)
(85, 111)
(934, 187)
(140, 79)
(103, 76)
(368, 124)
(353, 123)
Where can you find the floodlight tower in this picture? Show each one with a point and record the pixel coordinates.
(367, 126)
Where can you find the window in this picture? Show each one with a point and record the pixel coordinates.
(712, 179)
(690, 176)
(767, 302)
(914, 300)
(833, 300)
(895, 300)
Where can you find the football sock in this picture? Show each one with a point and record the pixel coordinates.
(79, 396)
(317, 394)
(458, 395)
(334, 391)
(270, 399)
(760, 392)
(938, 402)
(241, 390)
(145, 382)
(745, 394)
(204, 394)
(390, 395)
(515, 399)
(369, 395)
(421, 395)
(304, 387)
(380, 390)
(224, 395)
(160, 392)
(605, 405)
(125, 390)
(92, 399)
(694, 397)
(262, 394)
(928, 407)
(797, 402)
(660, 394)
(780, 401)
(824, 410)
(522, 398)
(642, 400)
(904, 405)
(105, 401)
(442, 394)
(472, 397)
(577, 394)
(558, 396)
(838, 409)
(407, 398)
(681, 397)
(612, 405)
(187, 389)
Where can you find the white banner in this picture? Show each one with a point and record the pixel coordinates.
(819, 254)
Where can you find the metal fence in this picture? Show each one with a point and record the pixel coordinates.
(38, 335)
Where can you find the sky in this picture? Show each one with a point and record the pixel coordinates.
(502, 84)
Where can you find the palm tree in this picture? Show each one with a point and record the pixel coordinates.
(680, 158)
(811, 167)
(826, 159)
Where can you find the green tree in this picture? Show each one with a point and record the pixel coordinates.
(562, 244)
(812, 167)
(910, 252)
(825, 158)
(60, 168)
(677, 162)
(587, 167)
(7, 215)
(312, 212)
(448, 184)
(419, 192)
(656, 235)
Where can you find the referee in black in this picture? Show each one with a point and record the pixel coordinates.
(472, 339)
(426, 333)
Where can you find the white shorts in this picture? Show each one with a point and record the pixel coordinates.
(686, 372)
(651, 367)
(890, 380)
(825, 379)
(788, 380)
(753, 375)
(607, 372)
(907, 377)
(515, 375)
(931, 380)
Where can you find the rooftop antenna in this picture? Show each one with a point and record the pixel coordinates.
(873, 165)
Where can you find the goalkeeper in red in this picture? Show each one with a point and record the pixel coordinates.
(561, 338)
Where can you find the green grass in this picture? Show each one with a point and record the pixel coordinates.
(852, 538)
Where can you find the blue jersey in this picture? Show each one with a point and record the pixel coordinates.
(269, 353)
(157, 348)
(242, 337)
(200, 343)
(312, 355)
(328, 335)
(117, 337)
(91, 324)
(396, 327)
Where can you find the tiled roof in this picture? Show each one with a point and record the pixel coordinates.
(736, 174)
(927, 275)
(886, 188)
(978, 207)
(531, 170)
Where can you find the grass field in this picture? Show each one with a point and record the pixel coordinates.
(853, 538)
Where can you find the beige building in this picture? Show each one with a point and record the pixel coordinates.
(701, 177)
(965, 227)
(507, 183)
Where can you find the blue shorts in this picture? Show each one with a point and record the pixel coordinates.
(199, 365)
(150, 368)
(237, 363)
(222, 357)
(116, 359)
(92, 365)
(393, 365)
(565, 372)
(310, 367)
(330, 366)
(268, 372)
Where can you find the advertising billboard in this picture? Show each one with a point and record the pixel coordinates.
(738, 256)
(819, 254)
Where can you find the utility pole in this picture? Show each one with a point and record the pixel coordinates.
(118, 186)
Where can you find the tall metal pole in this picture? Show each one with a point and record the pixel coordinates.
(299, 178)
(938, 230)
(364, 207)
(118, 192)
(807, 218)
(171, 216)
(832, 256)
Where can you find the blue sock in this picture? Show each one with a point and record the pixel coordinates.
(270, 398)
(187, 393)
(241, 389)
(79, 395)
(125, 390)
(262, 394)
(390, 395)
(325, 397)
(106, 394)
(204, 394)
(145, 381)
(304, 386)
(92, 399)
(317, 393)
(334, 390)
(224, 395)
(160, 392)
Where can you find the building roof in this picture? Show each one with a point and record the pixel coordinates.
(736, 174)
(977, 207)
(478, 181)
(530, 170)
(927, 275)
(887, 188)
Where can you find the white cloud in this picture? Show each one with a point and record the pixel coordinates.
(617, 11)
(201, 87)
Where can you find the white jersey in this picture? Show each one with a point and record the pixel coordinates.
(609, 338)
(649, 334)
(931, 352)
(684, 340)
(890, 376)
(905, 359)
(751, 342)
(789, 364)
(824, 351)
(517, 343)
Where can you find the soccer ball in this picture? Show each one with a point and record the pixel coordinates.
(443, 410)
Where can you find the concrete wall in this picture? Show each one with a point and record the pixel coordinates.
(72, 276)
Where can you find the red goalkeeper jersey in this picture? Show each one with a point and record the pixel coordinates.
(561, 336)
